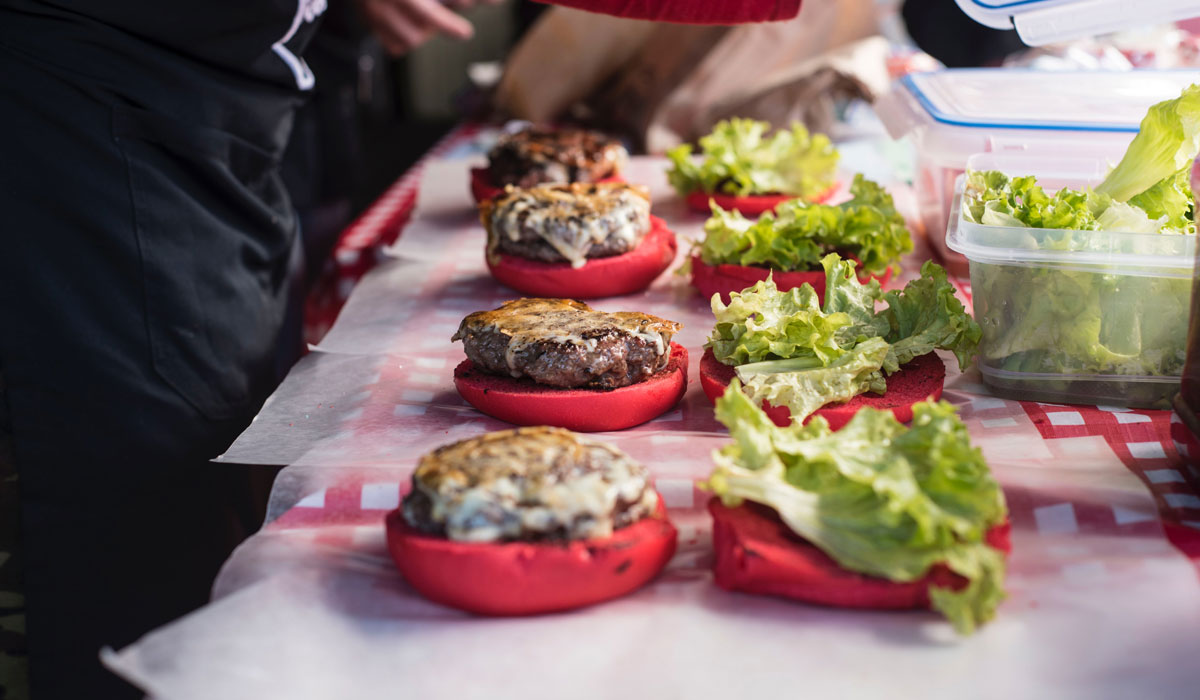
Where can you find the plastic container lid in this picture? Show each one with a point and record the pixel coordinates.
(1113, 101)
(1041, 22)
(1113, 252)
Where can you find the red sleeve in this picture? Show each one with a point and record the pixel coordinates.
(690, 11)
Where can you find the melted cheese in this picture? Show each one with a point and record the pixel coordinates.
(570, 218)
(528, 321)
(508, 484)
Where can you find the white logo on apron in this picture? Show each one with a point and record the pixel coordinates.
(306, 12)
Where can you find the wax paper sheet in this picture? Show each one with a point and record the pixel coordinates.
(1100, 605)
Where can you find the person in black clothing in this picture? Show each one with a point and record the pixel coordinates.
(148, 297)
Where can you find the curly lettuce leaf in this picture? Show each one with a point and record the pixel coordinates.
(797, 235)
(804, 386)
(763, 323)
(738, 158)
(877, 497)
(992, 198)
(926, 315)
(789, 351)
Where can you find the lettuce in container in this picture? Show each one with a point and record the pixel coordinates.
(1093, 320)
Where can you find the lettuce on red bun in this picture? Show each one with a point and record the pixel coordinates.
(744, 169)
(529, 521)
(538, 155)
(577, 241)
(875, 515)
(559, 362)
(789, 243)
(796, 356)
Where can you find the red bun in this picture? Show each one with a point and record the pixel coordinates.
(747, 204)
(528, 578)
(599, 277)
(483, 188)
(756, 552)
(921, 379)
(726, 279)
(524, 402)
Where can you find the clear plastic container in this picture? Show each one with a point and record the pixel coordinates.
(954, 114)
(1094, 317)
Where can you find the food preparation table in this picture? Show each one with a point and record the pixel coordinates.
(1104, 589)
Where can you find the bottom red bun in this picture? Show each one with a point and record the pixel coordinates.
(599, 277)
(747, 204)
(726, 279)
(921, 379)
(483, 187)
(756, 552)
(525, 402)
(528, 578)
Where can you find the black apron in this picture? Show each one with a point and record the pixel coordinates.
(148, 302)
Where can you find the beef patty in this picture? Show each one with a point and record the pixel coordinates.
(567, 223)
(527, 484)
(567, 344)
(537, 155)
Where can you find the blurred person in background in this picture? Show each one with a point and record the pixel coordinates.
(149, 302)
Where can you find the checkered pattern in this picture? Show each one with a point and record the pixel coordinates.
(414, 395)
(360, 246)
(1152, 444)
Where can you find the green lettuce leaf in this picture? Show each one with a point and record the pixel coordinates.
(804, 386)
(1167, 142)
(739, 158)
(762, 323)
(877, 497)
(797, 235)
(789, 351)
(926, 315)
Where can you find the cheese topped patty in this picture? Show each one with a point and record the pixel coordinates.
(567, 223)
(536, 155)
(528, 484)
(566, 343)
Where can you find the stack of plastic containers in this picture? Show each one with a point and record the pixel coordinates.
(1097, 317)
(952, 115)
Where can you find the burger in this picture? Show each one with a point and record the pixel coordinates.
(535, 156)
(559, 362)
(527, 521)
(577, 241)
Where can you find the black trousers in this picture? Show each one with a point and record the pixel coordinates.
(147, 308)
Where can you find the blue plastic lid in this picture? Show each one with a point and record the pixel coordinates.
(1113, 101)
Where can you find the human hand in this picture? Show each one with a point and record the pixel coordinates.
(403, 25)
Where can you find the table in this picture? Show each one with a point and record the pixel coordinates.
(1104, 595)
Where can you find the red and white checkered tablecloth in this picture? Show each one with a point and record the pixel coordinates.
(1141, 440)
(360, 245)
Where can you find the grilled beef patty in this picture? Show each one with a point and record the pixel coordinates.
(567, 223)
(527, 484)
(535, 156)
(567, 344)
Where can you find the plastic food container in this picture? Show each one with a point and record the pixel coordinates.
(1095, 317)
(954, 114)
